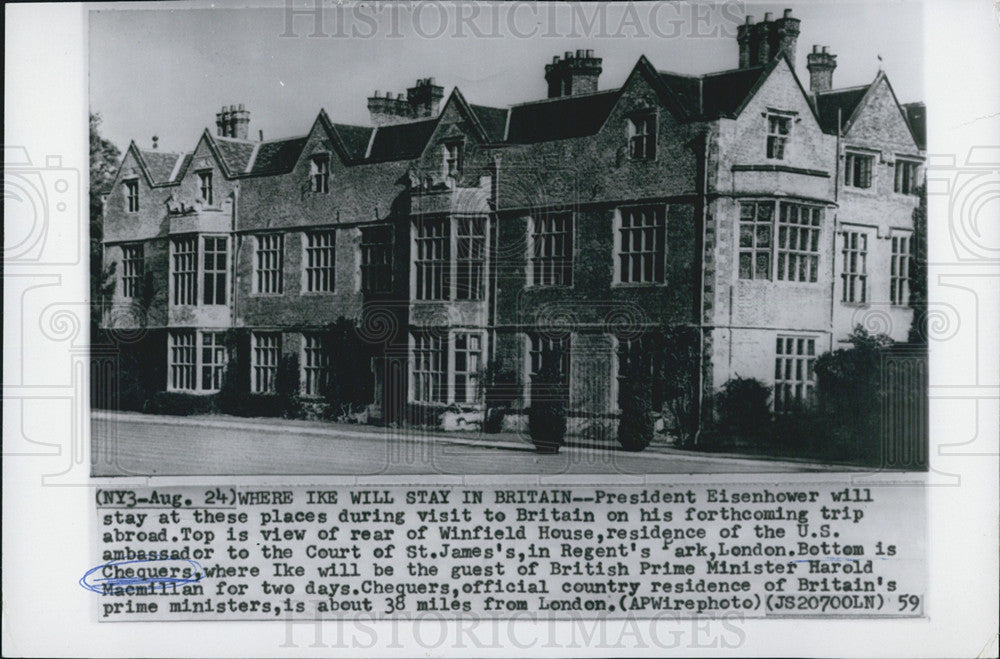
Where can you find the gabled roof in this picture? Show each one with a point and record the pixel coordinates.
(277, 156)
(916, 115)
(560, 118)
(493, 121)
(159, 165)
(354, 138)
(720, 94)
(235, 153)
(401, 141)
(843, 101)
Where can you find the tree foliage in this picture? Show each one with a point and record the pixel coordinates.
(635, 427)
(549, 397)
(918, 271)
(104, 161)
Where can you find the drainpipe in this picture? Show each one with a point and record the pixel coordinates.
(233, 261)
(703, 197)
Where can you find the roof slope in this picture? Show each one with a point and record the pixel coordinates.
(713, 95)
(494, 121)
(843, 100)
(561, 118)
(355, 139)
(277, 156)
(916, 115)
(160, 164)
(401, 141)
(235, 153)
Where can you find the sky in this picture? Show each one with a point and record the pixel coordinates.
(166, 69)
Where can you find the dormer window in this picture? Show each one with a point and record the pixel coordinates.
(205, 187)
(779, 127)
(451, 155)
(642, 136)
(319, 173)
(132, 194)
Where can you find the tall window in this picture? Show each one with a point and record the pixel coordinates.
(270, 263)
(213, 360)
(184, 266)
(319, 261)
(205, 185)
(319, 173)
(214, 273)
(858, 170)
(642, 245)
(432, 258)
(451, 158)
(470, 243)
(315, 362)
(430, 363)
(468, 359)
(779, 126)
(264, 361)
(798, 242)
(539, 345)
(132, 270)
(552, 250)
(183, 364)
(794, 379)
(899, 273)
(642, 136)
(906, 177)
(132, 195)
(855, 267)
(756, 225)
(376, 259)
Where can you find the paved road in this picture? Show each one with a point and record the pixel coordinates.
(127, 444)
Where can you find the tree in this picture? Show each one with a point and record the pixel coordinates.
(918, 271)
(104, 161)
(677, 374)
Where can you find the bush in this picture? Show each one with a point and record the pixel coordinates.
(286, 386)
(348, 385)
(635, 428)
(500, 390)
(178, 404)
(547, 414)
(744, 411)
(677, 376)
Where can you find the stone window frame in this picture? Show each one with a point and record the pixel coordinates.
(133, 269)
(214, 367)
(431, 260)
(205, 186)
(271, 277)
(659, 276)
(442, 344)
(263, 369)
(132, 194)
(532, 346)
(900, 265)
(854, 154)
(902, 162)
(775, 250)
(452, 157)
(184, 270)
(319, 279)
(372, 271)
(470, 257)
(319, 172)
(634, 121)
(182, 360)
(563, 264)
(776, 137)
(315, 364)
(214, 274)
(794, 370)
(854, 274)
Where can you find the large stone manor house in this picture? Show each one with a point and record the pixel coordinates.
(771, 214)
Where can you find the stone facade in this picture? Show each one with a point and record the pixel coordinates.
(467, 235)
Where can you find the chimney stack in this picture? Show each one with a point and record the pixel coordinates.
(576, 73)
(425, 98)
(233, 122)
(821, 64)
(760, 43)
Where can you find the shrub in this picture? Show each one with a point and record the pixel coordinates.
(347, 386)
(547, 414)
(179, 404)
(677, 375)
(500, 390)
(286, 386)
(744, 411)
(635, 428)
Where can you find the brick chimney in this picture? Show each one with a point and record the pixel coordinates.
(821, 64)
(389, 109)
(573, 74)
(233, 122)
(762, 42)
(425, 98)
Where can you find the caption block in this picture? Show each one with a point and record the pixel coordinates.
(304, 552)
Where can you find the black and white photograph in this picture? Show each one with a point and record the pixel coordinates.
(447, 328)
(696, 252)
